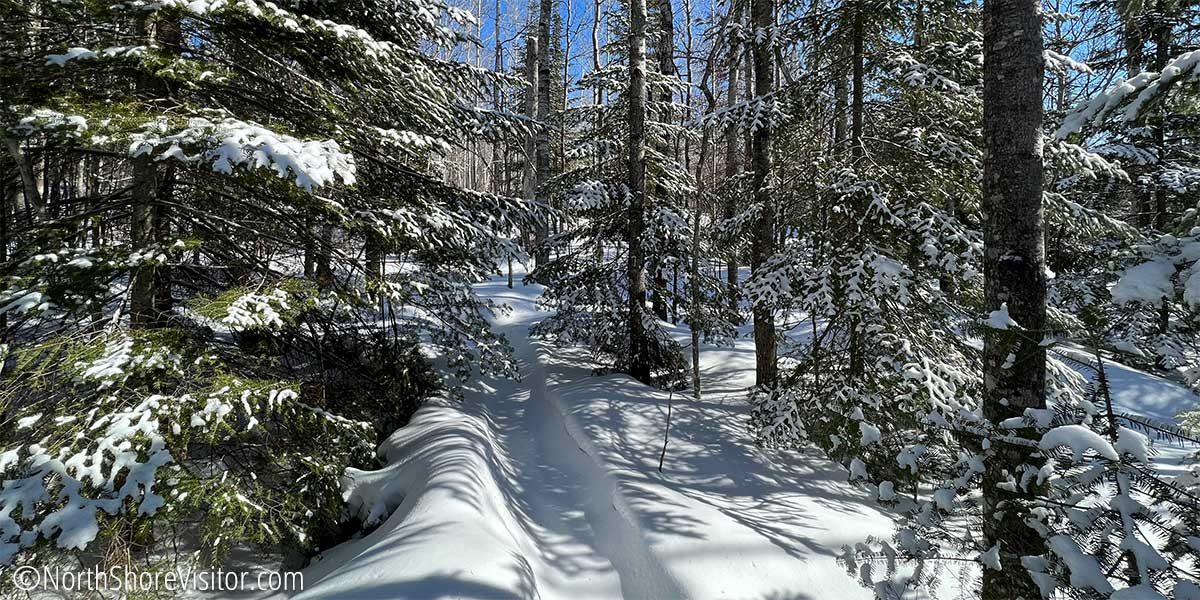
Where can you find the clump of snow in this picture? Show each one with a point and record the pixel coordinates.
(230, 143)
(1000, 319)
(1085, 572)
(887, 491)
(1147, 283)
(47, 120)
(255, 311)
(991, 558)
(870, 433)
(71, 54)
(1134, 443)
(1079, 439)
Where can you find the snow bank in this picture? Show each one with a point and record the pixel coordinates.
(449, 530)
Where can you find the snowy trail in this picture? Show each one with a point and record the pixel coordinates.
(586, 492)
(549, 488)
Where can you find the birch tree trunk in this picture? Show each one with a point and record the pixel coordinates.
(1014, 274)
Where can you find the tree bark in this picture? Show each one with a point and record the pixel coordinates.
(639, 363)
(857, 151)
(665, 51)
(148, 217)
(1014, 275)
(763, 244)
(141, 236)
(856, 108)
(29, 186)
(733, 166)
(529, 174)
(541, 252)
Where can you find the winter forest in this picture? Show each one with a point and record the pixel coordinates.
(566, 299)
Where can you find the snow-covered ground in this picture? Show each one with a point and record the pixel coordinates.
(549, 488)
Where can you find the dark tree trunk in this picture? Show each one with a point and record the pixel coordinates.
(141, 236)
(665, 51)
(164, 300)
(310, 248)
(639, 365)
(373, 256)
(857, 150)
(856, 109)
(149, 286)
(324, 263)
(733, 167)
(1014, 274)
(542, 253)
(29, 186)
(1162, 54)
(529, 172)
(762, 16)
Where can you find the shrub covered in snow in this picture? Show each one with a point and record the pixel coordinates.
(131, 439)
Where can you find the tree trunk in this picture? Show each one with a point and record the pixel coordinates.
(665, 51)
(841, 98)
(763, 244)
(1014, 274)
(29, 186)
(733, 167)
(141, 236)
(857, 151)
(324, 263)
(310, 248)
(148, 218)
(542, 252)
(373, 256)
(856, 109)
(1162, 53)
(639, 359)
(529, 173)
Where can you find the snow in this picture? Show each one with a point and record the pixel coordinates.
(1133, 94)
(230, 143)
(991, 558)
(999, 319)
(253, 311)
(1147, 283)
(1133, 443)
(71, 54)
(549, 488)
(1079, 439)
(1085, 571)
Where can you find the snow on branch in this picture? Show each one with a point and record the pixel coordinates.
(1131, 96)
(230, 143)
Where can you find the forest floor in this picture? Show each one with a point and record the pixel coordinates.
(549, 488)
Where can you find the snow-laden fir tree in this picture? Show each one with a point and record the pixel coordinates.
(222, 277)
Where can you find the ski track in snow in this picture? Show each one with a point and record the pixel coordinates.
(549, 488)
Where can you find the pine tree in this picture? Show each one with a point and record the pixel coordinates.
(211, 302)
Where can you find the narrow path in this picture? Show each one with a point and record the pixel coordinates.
(587, 537)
